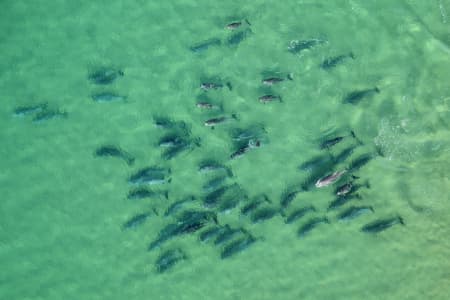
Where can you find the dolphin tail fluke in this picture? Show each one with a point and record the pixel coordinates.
(130, 161)
(229, 172)
(352, 133)
(379, 151)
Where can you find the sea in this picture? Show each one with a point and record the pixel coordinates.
(102, 99)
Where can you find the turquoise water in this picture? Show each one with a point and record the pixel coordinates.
(63, 209)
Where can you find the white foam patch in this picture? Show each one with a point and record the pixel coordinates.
(392, 139)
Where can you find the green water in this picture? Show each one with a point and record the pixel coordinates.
(62, 208)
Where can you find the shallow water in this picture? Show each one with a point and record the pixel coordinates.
(62, 209)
